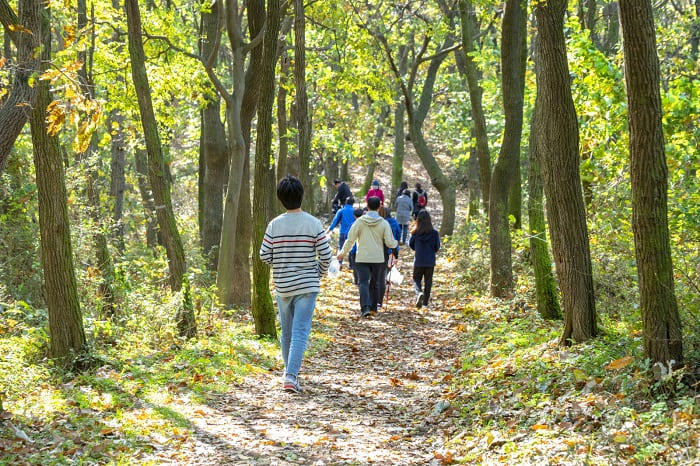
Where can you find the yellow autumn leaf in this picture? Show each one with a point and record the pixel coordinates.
(620, 437)
(537, 427)
(619, 363)
(579, 375)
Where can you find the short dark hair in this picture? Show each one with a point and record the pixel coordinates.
(336, 181)
(290, 192)
(373, 203)
(349, 200)
(357, 213)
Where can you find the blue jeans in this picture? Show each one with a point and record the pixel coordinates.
(296, 313)
(404, 233)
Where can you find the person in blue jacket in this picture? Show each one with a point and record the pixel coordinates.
(425, 240)
(345, 218)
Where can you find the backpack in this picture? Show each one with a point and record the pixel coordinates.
(422, 201)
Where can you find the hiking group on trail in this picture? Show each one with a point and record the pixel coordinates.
(297, 248)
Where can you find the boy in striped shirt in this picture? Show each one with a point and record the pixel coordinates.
(296, 246)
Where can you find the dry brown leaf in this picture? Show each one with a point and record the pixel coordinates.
(619, 363)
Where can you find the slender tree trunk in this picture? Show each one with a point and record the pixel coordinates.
(118, 163)
(102, 255)
(282, 117)
(473, 182)
(467, 15)
(65, 318)
(17, 106)
(505, 168)
(399, 132)
(545, 285)
(557, 144)
(262, 309)
(214, 149)
(649, 175)
(149, 206)
(156, 170)
(302, 99)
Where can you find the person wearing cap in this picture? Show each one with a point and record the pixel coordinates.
(375, 191)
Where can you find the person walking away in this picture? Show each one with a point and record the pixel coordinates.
(372, 235)
(353, 252)
(425, 240)
(402, 188)
(388, 252)
(296, 246)
(345, 217)
(404, 208)
(375, 191)
(340, 196)
(420, 199)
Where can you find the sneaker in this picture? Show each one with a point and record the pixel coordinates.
(419, 299)
(291, 385)
(366, 312)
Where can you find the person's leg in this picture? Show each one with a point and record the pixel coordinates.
(404, 233)
(374, 286)
(351, 259)
(286, 312)
(381, 284)
(417, 279)
(302, 315)
(428, 284)
(363, 283)
(341, 241)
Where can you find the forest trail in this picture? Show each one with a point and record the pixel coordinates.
(376, 392)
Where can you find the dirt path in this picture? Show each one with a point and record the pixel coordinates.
(376, 393)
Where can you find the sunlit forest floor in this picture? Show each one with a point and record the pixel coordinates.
(470, 380)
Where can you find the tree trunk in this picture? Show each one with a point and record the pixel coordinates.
(302, 100)
(102, 255)
(156, 170)
(262, 309)
(545, 286)
(21, 100)
(149, 207)
(65, 318)
(468, 18)
(649, 176)
(473, 182)
(399, 132)
(505, 168)
(282, 117)
(557, 144)
(118, 178)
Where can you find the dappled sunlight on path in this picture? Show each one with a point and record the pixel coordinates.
(376, 391)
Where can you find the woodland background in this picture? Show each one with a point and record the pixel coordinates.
(140, 145)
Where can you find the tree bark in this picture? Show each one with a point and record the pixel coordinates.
(156, 169)
(545, 285)
(649, 176)
(557, 142)
(302, 100)
(505, 168)
(282, 156)
(149, 206)
(65, 318)
(262, 308)
(467, 16)
(214, 149)
(399, 131)
(17, 107)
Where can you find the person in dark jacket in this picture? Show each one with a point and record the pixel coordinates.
(340, 196)
(425, 240)
(420, 199)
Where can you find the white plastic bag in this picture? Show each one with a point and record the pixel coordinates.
(395, 276)
(334, 268)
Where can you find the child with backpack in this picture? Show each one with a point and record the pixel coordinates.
(425, 241)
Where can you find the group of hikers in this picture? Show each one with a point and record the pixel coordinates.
(297, 247)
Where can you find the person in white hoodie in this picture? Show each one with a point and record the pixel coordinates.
(373, 235)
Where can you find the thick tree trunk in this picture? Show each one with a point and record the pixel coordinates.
(282, 117)
(21, 100)
(557, 142)
(214, 149)
(156, 169)
(649, 176)
(65, 318)
(505, 168)
(468, 18)
(262, 308)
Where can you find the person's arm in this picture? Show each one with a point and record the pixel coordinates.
(389, 240)
(350, 241)
(412, 242)
(323, 252)
(437, 241)
(335, 220)
(265, 252)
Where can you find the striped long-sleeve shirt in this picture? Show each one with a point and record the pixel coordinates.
(296, 246)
